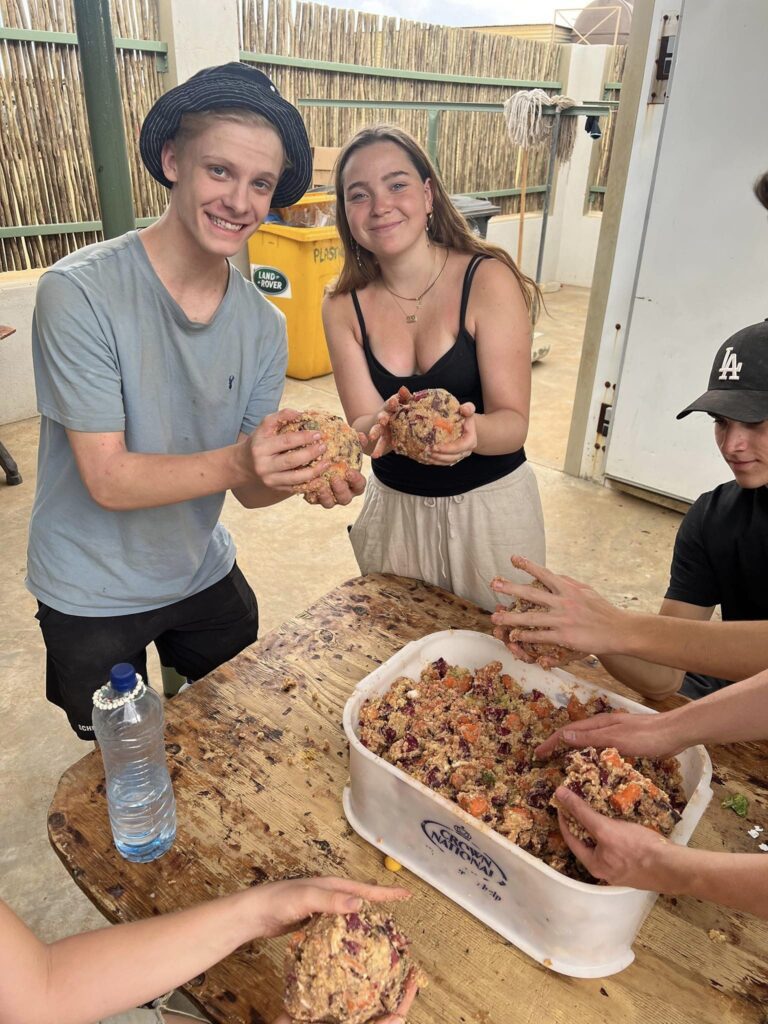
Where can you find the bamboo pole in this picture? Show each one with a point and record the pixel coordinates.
(521, 223)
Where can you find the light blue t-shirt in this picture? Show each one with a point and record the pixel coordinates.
(113, 351)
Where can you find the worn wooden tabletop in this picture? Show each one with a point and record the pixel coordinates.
(259, 761)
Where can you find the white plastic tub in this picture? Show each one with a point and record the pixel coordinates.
(582, 930)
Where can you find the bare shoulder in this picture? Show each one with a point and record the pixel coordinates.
(337, 308)
(339, 318)
(497, 294)
(493, 277)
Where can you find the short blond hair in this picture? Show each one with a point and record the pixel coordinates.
(195, 123)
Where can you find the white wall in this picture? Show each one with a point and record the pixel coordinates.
(701, 264)
(572, 232)
(200, 34)
(503, 231)
(577, 230)
(628, 242)
(17, 299)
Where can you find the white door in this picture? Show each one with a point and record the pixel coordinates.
(703, 266)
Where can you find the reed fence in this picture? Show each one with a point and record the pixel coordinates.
(617, 58)
(474, 152)
(46, 168)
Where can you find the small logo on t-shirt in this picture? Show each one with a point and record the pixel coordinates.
(731, 368)
(231, 380)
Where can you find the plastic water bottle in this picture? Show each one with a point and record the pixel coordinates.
(128, 723)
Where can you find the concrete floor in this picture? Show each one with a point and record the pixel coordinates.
(618, 543)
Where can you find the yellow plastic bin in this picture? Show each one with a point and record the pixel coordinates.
(292, 266)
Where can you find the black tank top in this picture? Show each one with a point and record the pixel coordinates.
(458, 372)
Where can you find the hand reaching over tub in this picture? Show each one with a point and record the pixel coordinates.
(623, 853)
(569, 613)
(738, 713)
(430, 427)
(631, 734)
(619, 852)
(532, 626)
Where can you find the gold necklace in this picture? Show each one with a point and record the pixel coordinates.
(411, 318)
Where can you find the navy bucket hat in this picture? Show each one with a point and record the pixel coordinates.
(233, 85)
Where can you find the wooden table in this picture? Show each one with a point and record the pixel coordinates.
(258, 760)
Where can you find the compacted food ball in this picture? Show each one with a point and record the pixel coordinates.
(343, 449)
(432, 417)
(346, 969)
(614, 787)
(546, 655)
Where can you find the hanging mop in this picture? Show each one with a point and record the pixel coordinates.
(529, 128)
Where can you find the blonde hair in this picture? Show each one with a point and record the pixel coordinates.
(447, 226)
(195, 123)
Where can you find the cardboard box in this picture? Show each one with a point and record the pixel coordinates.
(323, 161)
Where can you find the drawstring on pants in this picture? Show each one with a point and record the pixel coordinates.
(432, 503)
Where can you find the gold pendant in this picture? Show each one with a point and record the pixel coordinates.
(410, 318)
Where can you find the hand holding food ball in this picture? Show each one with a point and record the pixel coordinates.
(348, 969)
(337, 477)
(427, 426)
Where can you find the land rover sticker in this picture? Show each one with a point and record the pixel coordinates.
(271, 281)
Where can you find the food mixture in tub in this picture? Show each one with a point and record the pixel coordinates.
(470, 736)
(610, 784)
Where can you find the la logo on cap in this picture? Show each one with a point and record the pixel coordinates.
(730, 368)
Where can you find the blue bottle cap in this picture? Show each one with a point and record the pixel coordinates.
(122, 677)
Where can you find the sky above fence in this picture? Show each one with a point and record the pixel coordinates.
(459, 12)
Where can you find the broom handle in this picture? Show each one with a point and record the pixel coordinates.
(523, 183)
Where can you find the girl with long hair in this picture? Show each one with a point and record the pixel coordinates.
(422, 303)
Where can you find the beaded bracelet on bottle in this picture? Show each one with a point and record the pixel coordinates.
(101, 700)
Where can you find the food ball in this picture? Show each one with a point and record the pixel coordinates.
(346, 969)
(432, 417)
(342, 450)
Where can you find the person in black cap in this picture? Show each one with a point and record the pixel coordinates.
(720, 558)
(159, 370)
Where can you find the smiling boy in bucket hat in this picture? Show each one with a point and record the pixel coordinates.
(159, 370)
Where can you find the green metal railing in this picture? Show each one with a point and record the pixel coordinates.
(434, 110)
(278, 60)
(69, 228)
(31, 35)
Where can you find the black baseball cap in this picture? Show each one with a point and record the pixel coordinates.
(233, 85)
(738, 383)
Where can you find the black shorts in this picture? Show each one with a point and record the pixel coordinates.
(193, 636)
(696, 686)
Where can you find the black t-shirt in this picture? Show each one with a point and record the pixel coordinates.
(721, 553)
